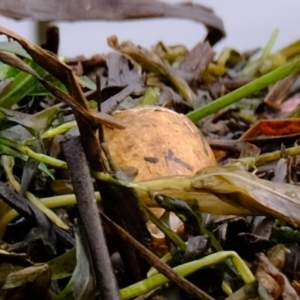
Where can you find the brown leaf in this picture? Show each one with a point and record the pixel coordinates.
(273, 128)
(274, 281)
(269, 283)
(197, 60)
(280, 91)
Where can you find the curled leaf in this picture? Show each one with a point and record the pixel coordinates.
(151, 62)
(237, 186)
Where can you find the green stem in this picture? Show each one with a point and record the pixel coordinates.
(246, 90)
(265, 158)
(37, 156)
(106, 177)
(51, 133)
(151, 283)
(267, 50)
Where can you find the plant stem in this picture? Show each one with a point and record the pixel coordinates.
(265, 158)
(30, 153)
(148, 284)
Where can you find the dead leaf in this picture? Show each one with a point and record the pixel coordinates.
(197, 60)
(280, 91)
(230, 190)
(234, 185)
(271, 128)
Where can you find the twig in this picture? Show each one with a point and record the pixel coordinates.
(89, 217)
(157, 263)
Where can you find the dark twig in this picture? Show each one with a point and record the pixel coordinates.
(157, 263)
(52, 37)
(89, 217)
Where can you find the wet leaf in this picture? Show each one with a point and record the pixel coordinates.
(8, 164)
(44, 230)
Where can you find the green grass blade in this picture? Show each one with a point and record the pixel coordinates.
(253, 66)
